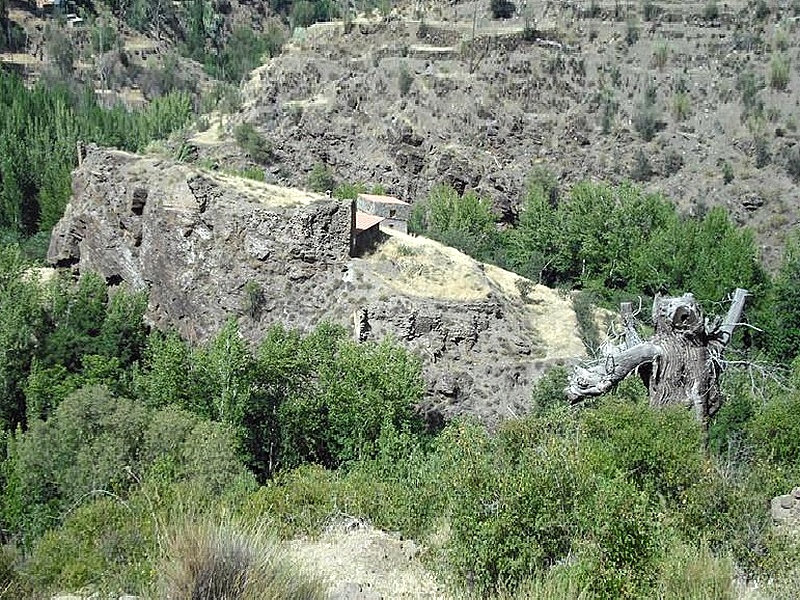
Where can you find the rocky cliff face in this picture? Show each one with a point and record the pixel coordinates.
(209, 247)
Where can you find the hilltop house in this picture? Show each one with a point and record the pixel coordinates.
(394, 211)
(372, 214)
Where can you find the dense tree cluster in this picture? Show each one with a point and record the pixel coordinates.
(39, 129)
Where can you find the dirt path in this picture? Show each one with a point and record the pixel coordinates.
(363, 563)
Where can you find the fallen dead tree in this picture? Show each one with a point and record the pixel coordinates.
(680, 364)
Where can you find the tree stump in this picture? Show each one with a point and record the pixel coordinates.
(680, 364)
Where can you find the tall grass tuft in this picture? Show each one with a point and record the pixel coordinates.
(207, 560)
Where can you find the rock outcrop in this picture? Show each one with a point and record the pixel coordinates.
(209, 247)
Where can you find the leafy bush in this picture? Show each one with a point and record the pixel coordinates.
(775, 428)
(727, 172)
(661, 56)
(502, 9)
(94, 444)
(464, 222)
(321, 178)
(631, 32)
(650, 10)
(253, 143)
(711, 10)
(404, 81)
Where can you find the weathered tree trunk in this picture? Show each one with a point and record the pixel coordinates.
(680, 364)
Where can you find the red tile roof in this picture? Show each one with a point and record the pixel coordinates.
(364, 221)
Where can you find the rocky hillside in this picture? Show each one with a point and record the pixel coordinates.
(209, 246)
(694, 99)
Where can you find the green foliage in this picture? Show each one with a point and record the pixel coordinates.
(254, 144)
(631, 32)
(321, 178)
(94, 444)
(647, 121)
(727, 172)
(681, 106)
(660, 451)
(779, 72)
(348, 394)
(254, 299)
(502, 9)
(404, 81)
(749, 86)
(22, 322)
(661, 56)
(642, 169)
(105, 543)
(39, 128)
(583, 303)
(711, 10)
(349, 191)
(464, 222)
(303, 13)
(243, 51)
(775, 428)
(650, 10)
(104, 36)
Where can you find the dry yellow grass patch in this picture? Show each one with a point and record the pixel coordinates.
(370, 562)
(271, 195)
(417, 266)
(549, 313)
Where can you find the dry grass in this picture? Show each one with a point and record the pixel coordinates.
(207, 560)
(547, 312)
(271, 195)
(417, 266)
(362, 560)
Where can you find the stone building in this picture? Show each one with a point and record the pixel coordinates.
(394, 211)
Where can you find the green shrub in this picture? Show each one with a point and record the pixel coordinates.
(502, 9)
(711, 10)
(660, 450)
(779, 72)
(642, 170)
(106, 544)
(404, 81)
(727, 172)
(631, 32)
(94, 443)
(321, 178)
(253, 143)
(647, 122)
(650, 10)
(775, 428)
(300, 501)
(661, 56)
(620, 546)
(349, 191)
(464, 222)
(681, 106)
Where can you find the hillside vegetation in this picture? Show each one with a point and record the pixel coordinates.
(138, 462)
